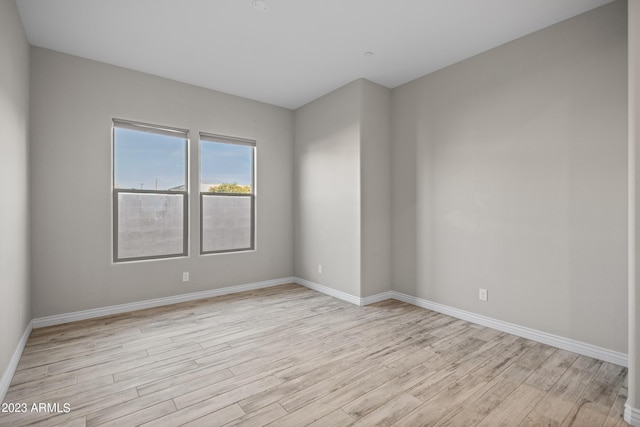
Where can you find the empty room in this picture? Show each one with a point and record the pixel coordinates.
(338, 213)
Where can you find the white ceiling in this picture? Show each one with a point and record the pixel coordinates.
(296, 50)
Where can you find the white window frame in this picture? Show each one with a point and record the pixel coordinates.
(209, 137)
(162, 130)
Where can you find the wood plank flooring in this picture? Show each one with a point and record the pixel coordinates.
(289, 356)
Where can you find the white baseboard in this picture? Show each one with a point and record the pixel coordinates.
(631, 415)
(342, 295)
(543, 337)
(377, 298)
(521, 331)
(5, 381)
(511, 328)
(157, 302)
(328, 291)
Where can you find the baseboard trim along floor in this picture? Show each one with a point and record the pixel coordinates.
(568, 344)
(5, 381)
(578, 347)
(156, 302)
(521, 331)
(631, 415)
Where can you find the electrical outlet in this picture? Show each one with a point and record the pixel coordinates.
(319, 268)
(483, 295)
(185, 276)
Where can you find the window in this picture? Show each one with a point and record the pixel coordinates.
(150, 192)
(227, 194)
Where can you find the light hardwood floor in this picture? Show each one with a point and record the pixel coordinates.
(289, 356)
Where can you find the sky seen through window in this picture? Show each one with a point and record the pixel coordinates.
(150, 161)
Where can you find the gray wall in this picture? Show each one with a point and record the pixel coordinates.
(375, 179)
(632, 407)
(327, 189)
(15, 305)
(506, 171)
(342, 197)
(72, 103)
(510, 174)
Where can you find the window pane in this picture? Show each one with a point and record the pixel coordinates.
(226, 168)
(150, 225)
(148, 161)
(226, 223)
